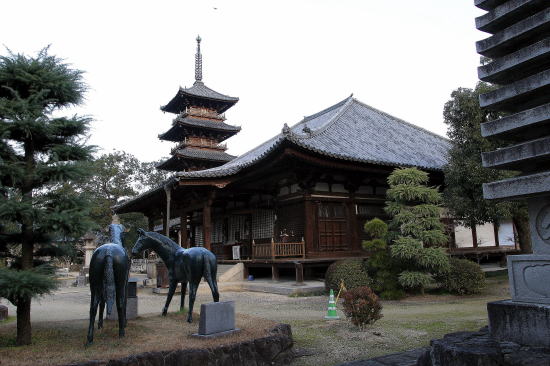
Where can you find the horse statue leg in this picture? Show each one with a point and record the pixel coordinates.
(183, 291)
(193, 286)
(210, 272)
(121, 284)
(171, 290)
(93, 310)
(101, 310)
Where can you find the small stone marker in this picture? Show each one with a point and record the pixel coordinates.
(131, 302)
(3, 312)
(217, 319)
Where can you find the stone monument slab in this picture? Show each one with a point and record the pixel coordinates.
(217, 319)
(529, 275)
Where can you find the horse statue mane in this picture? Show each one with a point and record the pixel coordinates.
(163, 240)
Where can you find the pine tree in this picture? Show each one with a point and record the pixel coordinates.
(40, 154)
(415, 229)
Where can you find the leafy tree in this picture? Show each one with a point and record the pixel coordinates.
(464, 174)
(150, 177)
(39, 151)
(113, 180)
(415, 229)
(118, 176)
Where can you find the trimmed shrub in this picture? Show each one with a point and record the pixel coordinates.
(463, 278)
(352, 271)
(362, 306)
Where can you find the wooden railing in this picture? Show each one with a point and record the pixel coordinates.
(273, 250)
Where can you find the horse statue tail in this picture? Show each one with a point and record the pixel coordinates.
(109, 282)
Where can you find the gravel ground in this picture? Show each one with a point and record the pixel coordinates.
(73, 303)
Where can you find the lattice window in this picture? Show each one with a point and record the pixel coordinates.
(217, 231)
(198, 236)
(291, 219)
(263, 222)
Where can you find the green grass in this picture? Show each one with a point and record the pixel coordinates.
(407, 324)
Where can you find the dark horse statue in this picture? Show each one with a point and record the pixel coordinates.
(184, 265)
(109, 269)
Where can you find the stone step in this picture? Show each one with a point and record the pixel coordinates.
(509, 13)
(521, 95)
(518, 65)
(525, 32)
(524, 125)
(488, 4)
(518, 187)
(522, 156)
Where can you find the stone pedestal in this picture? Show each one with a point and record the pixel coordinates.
(217, 319)
(131, 302)
(522, 323)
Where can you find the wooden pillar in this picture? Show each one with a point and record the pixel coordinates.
(151, 222)
(299, 273)
(207, 221)
(495, 230)
(166, 223)
(274, 272)
(309, 228)
(183, 230)
(245, 271)
(474, 235)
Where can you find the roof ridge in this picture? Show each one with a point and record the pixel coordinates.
(344, 105)
(326, 110)
(402, 120)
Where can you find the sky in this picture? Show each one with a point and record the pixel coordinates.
(284, 59)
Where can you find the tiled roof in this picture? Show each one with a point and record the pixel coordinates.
(199, 91)
(179, 160)
(349, 130)
(204, 154)
(177, 131)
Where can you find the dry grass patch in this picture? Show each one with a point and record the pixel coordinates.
(60, 343)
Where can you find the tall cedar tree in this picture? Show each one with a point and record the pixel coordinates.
(40, 152)
(464, 174)
(415, 228)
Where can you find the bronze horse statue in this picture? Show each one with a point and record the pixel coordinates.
(184, 265)
(109, 269)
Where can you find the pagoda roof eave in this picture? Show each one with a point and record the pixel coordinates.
(199, 92)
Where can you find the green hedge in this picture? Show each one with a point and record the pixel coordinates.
(464, 277)
(352, 271)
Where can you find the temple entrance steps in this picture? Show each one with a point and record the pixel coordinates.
(230, 272)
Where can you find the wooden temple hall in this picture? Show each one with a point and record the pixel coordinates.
(291, 205)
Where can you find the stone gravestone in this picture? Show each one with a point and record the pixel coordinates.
(519, 49)
(131, 302)
(217, 319)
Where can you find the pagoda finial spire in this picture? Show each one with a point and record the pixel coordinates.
(198, 61)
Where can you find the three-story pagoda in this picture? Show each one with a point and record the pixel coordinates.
(199, 128)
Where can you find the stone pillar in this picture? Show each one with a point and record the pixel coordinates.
(515, 48)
